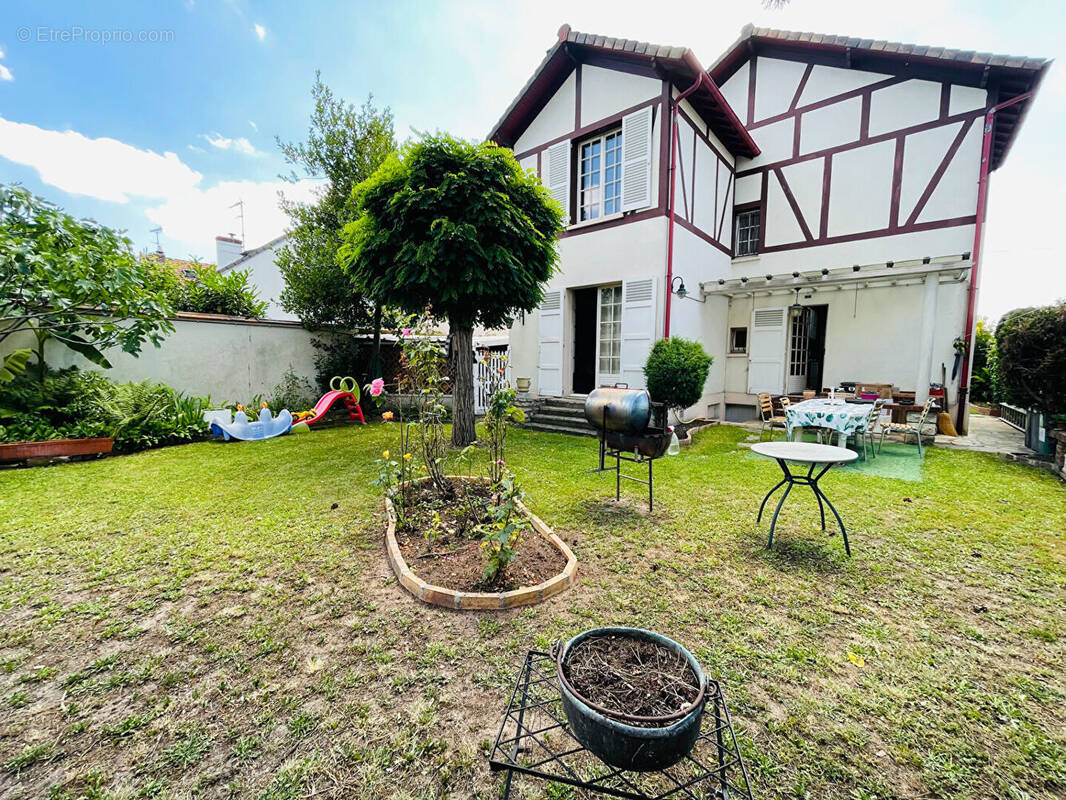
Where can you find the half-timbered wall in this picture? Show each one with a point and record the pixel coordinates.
(856, 167)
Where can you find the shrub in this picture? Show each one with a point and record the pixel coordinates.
(676, 371)
(294, 393)
(1031, 357)
(202, 289)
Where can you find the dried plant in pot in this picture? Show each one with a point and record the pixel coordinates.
(632, 697)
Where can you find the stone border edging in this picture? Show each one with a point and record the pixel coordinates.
(480, 601)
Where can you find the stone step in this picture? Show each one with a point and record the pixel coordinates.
(572, 430)
(554, 417)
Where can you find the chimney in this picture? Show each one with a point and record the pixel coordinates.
(227, 250)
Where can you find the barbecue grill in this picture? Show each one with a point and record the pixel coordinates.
(630, 428)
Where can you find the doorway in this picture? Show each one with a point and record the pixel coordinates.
(806, 350)
(586, 311)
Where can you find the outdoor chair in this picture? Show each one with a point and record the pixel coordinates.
(871, 430)
(769, 419)
(906, 428)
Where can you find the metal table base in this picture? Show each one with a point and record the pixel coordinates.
(535, 740)
(810, 479)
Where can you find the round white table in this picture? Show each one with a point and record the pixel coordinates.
(813, 456)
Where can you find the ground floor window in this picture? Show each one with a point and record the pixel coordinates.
(610, 344)
(738, 340)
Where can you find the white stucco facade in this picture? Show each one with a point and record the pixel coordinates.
(264, 275)
(859, 171)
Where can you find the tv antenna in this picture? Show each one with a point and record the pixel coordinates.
(157, 230)
(240, 205)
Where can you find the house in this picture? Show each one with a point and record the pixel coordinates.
(263, 271)
(809, 208)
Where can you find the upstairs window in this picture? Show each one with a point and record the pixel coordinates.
(600, 176)
(746, 233)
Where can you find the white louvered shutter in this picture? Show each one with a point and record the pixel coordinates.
(557, 174)
(550, 341)
(636, 159)
(766, 350)
(638, 328)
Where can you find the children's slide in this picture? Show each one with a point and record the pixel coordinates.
(331, 398)
(342, 390)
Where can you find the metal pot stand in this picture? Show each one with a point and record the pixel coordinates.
(534, 739)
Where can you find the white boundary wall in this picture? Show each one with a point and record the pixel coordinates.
(230, 359)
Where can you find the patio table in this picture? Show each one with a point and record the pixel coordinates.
(813, 456)
(840, 417)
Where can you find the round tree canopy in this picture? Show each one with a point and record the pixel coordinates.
(454, 228)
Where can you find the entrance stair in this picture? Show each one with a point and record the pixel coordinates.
(558, 415)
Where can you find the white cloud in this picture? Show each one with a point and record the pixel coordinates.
(260, 31)
(5, 73)
(237, 144)
(104, 168)
(196, 217)
(254, 126)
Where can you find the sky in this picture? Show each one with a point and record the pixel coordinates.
(165, 114)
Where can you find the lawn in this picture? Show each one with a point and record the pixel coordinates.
(219, 620)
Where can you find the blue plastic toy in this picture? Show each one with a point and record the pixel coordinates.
(266, 427)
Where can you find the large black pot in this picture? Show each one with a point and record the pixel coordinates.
(607, 735)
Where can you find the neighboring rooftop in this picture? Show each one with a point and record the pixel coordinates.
(1005, 76)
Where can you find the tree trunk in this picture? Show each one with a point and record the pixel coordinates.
(463, 431)
(42, 368)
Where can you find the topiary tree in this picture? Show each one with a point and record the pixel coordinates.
(73, 281)
(676, 371)
(1031, 357)
(460, 231)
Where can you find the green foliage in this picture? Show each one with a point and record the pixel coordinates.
(75, 404)
(501, 535)
(202, 289)
(458, 231)
(676, 372)
(1031, 357)
(983, 378)
(425, 378)
(499, 412)
(344, 145)
(294, 393)
(455, 229)
(14, 364)
(74, 281)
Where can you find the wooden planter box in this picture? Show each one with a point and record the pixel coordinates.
(20, 451)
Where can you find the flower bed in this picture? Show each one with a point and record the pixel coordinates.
(453, 565)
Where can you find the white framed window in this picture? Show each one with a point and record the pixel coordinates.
(610, 344)
(738, 340)
(600, 176)
(746, 238)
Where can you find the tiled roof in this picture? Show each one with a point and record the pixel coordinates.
(971, 57)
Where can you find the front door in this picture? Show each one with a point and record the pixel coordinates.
(609, 344)
(806, 351)
(586, 327)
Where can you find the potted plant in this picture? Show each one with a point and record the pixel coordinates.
(632, 697)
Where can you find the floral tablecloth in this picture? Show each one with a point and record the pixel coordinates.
(844, 418)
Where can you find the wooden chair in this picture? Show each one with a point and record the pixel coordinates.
(808, 394)
(906, 428)
(769, 419)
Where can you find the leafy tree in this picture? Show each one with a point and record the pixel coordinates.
(73, 281)
(344, 145)
(1031, 356)
(982, 384)
(676, 371)
(458, 230)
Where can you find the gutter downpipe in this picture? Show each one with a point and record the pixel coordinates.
(962, 403)
(700, 75)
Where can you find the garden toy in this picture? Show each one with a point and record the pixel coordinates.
(266, 427)
(342, 390)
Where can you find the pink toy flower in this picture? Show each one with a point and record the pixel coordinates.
(377, 386)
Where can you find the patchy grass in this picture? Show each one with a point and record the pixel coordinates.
(219, 621)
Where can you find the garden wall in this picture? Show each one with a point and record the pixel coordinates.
(229, 358)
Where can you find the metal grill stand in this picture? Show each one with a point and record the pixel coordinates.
(619, 455)
(535, 740)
